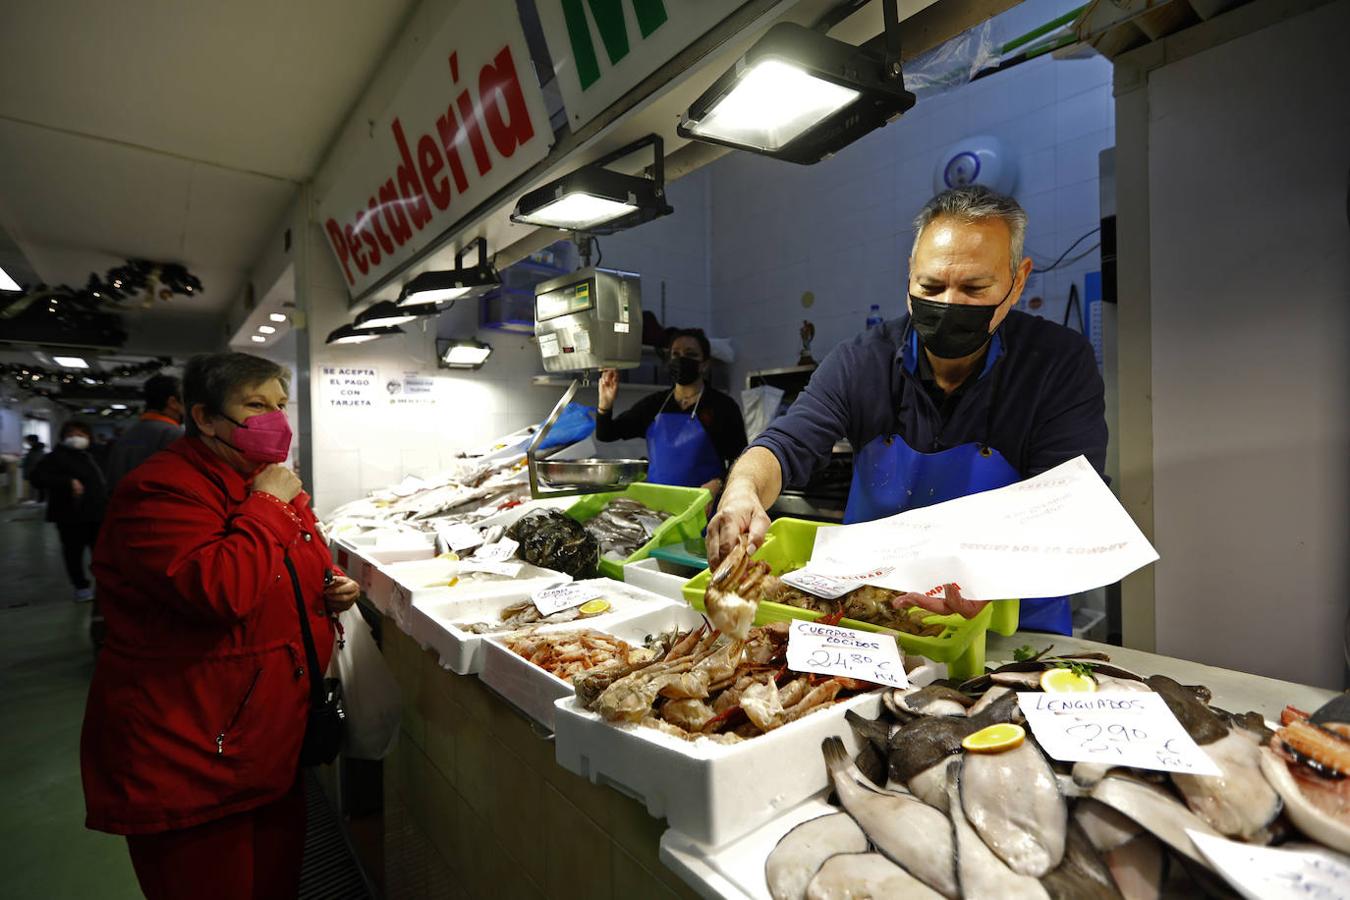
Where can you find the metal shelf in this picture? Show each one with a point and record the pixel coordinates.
(562, 381)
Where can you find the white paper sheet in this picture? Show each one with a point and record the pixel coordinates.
(831, 650)
(1058, 533)
(1292, 872)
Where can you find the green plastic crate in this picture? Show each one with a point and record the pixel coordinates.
(788, 546)
(688, 508)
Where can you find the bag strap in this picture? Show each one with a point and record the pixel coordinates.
(311, 657)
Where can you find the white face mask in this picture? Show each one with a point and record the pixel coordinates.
(77, 442)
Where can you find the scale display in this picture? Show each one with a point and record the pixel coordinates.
(573, 298)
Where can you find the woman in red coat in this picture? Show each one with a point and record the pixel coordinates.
(200, 697)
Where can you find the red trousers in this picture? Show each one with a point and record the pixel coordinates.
(254, 854)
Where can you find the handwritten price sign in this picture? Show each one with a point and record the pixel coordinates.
(1126, 728)
(563, 596)
(831, 650)
(498, 552)
(1292, 872)
(829, 587)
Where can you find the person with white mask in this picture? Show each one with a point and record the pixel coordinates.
(77, 496)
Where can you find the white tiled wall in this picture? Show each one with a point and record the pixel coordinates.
(840, 228)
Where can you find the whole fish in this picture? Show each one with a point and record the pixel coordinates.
(1013, 800)
(907, 831)
(801, 852)
(979, 871)
(1083, 874)
(854, 876)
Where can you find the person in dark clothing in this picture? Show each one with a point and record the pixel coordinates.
(694, 432)
(159, 426)
(76, 498)
(36, 451)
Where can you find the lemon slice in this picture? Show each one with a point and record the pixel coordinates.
(450, 555)
(594, 607)
(995, 738)
(1066, 681)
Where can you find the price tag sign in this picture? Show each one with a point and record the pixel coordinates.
(831, 650)
(1126, 728)
(498, 552)
(563, 596)
(492, 567)
(821, 586)
(1305, 872)
(459, 536)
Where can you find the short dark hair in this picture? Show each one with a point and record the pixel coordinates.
(32, 439)
(209, 379)
(160, 389)
(697, 334)
(76, 425)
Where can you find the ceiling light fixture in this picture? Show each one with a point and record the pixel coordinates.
(266, 329)
(385, 314)
(800, 95)
(258, 339)
(458, 283)
(462, 354)
(350, 334)
(70, 362)
(117, 406)
(7, 283)
(276, 317)
(597, 200)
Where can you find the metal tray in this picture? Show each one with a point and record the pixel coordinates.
(591, 472)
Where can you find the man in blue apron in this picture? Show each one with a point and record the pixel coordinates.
(693, 431)
(963, 394)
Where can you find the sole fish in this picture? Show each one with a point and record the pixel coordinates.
(1083, 874)
(905, 829)
(981, 874)
(861, 876)
(1139, 867)
(1013, 801)
(1155, 810)
(1239, 803)
(803, 850)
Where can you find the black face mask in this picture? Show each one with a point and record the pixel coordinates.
(685, 370)
(952, 330)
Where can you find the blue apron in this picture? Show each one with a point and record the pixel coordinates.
(891, 477)
(679, 450)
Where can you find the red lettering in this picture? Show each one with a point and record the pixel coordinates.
(339, 247)
(431, 162)
(408, 184)
(480, 152)
(354, 247)
(392, 207)
(498, 84)
(369, 237)
(373, 221)
(447, 126)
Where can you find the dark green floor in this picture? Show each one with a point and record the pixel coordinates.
(45, 663)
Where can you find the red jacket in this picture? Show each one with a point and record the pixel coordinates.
(199, 698)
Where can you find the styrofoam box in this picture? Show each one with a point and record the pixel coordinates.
(736, 871)
(535, 691)
(363, 558)
(436, 623)
(711, 793)
(508, 517)
(647, 573)
(398, 587)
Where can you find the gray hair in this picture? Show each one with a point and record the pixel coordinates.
(211, 378)
(975, 203)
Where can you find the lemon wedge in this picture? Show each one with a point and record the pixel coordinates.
(595, 607)
(1066, 681)
(450, 555)
(995, 738)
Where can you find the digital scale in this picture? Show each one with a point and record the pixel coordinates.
(584, 321)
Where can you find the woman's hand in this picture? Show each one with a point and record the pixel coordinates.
(953, 602)
(341, 594)
(278, 481)
(76, 487)
(609, 389)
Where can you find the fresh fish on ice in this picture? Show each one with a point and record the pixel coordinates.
(981, 874)
(802, 851)
(858, 876)
(1013, 801)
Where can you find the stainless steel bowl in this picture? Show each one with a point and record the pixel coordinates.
(571, 473)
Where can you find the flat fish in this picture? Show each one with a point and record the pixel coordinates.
(979, 871)
(1239, 803)
(1106, 828)
(1138, 867)
(1155, 810)
(804, 849)
(934, 700)
(994, 693)
(1201, 723)
(1083, 874)
(905, 829)
(930, 785)
(1013, 801)
(857, 876)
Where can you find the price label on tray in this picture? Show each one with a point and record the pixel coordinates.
(563, 596)
(829, 587)
(831, 650)
(498, 552)
(459, 536)
(1125, 728)
(492, 567)
(1271, 873)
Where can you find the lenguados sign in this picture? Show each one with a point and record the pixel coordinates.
(468, 119)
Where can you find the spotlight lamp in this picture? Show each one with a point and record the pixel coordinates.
(386, 314)
(462, 354)
(456, 284)
(801, 96)
(350, 334)
(598, 200)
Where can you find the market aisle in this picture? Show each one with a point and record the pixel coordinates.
(45, 664)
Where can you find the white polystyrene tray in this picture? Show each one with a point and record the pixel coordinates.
(535, 691)
(438, 623)
(508, 517)
(646, 573)
(399, 587)
(362, 560)
(712, 793)
(736, 871)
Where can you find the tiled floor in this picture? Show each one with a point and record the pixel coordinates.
(45, 663)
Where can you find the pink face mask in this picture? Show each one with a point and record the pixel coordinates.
(263, 439)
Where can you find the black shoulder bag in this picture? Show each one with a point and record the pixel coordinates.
(327, 718)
